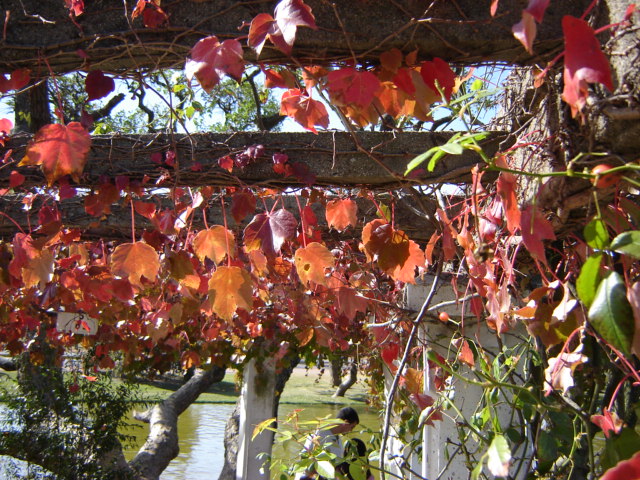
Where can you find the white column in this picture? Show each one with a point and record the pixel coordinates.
(257, 400)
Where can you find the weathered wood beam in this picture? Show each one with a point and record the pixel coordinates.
(375, 160)
(458, 31)
(413, 214)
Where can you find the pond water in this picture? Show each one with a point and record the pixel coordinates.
(201, 434)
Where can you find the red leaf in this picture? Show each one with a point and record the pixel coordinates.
(154, 17)
(97, 85)
(440, 71)
(60, 150)
(304, 110)
(404, 82)
(341, 214)
(268, 231)
(279, 79)
(146, 209)
(537, 8)
(211, 59)
(226, 162)
(494, 7)
(465, 355)
(584, 63)
(350, 303)
(506, 188)
(525, 30)
(263, 27)
(242, 204)
(18, 79)
(535, 229)
(291, 14)
(76, 7)
(390, 353)
(351, 86)
(609, 422)
(15, 179)
(625, 470)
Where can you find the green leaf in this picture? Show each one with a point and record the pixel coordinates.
(596, 234)
(627, 243)
(611, 314)
(262, 426)
(589, 278)
(326, 469)
(477, 470)
(547, 446)
(499, 456)
(423, 157)
(452, 148)
(434, 160)
(477, 85)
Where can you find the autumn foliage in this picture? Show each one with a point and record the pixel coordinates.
(315, 275)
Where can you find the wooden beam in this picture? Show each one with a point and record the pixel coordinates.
(414, 214)
(375, 160)
(40, 35)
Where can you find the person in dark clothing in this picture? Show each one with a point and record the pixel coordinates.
(355, 451)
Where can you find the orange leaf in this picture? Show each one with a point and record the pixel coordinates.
(341, 213)
(215, 243)
(230, 288)
(190, 359)
(304, 109)
(60, 150)
(38, 270)
(312, 261)
(396, 254)
(412, 380)
(135, 260)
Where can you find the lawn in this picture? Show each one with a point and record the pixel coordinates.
(305, 387)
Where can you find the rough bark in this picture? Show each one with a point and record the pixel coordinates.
(336, 370)
(348, 382)
(162, 443)
(377, 160)
(32, 110)
(460, 31)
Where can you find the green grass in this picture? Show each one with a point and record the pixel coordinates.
(303, 388)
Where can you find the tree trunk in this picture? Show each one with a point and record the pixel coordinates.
(162, 443)
(348, 382)
(32, 110)
(337, 363)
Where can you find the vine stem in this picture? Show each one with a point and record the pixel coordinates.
(226, 230)
(133, 222)
(403, 362)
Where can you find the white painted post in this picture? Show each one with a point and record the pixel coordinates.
(256, 405)
(464, 395)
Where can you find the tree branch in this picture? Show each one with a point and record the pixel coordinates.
(162, 443)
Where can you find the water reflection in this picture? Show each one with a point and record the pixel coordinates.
(201, 441)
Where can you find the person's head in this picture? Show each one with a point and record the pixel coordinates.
(350, 418)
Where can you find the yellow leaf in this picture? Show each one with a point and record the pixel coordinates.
(214, 243)
(230, 288)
